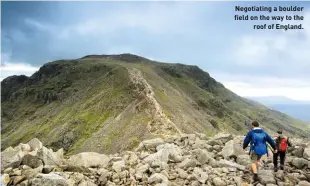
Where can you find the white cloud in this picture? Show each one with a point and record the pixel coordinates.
(249, 85)
(10, 68)
(276, 51)
(289, 48)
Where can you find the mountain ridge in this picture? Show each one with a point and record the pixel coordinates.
(111, 103)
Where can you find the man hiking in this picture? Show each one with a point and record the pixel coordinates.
(258, 148)
(282, 144)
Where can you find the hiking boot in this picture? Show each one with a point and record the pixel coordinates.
(255, 177)
(282, 167)
(276, 169)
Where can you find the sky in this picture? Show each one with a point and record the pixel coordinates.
(247, 61)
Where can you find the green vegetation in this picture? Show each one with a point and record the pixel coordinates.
(90, 104)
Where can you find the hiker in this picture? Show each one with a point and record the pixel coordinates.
(258, 148)
(282, 144)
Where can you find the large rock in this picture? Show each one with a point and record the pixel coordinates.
(164, 153)
(118, 166)
(140, 170)
(217, 181)
(150, 144)
(223, 137)
(303, 183)
(202, 156)
(49, 157)
(299, 163)
(89, 159)
(11, 157)
(158, 178)
(51, 179)
(298, 152)
(31, 161)
(306, 153)
(200, 175)
(266, 177)
(244, 160)
(35, 144)
(226, 163)
(187, 163)
(231, 150)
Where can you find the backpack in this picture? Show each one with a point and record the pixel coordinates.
(259, 143)
(282, 144)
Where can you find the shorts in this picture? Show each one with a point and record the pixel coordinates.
(255, 157)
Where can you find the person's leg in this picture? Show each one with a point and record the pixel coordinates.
(282, 158)
(255, 159)
(275, 160)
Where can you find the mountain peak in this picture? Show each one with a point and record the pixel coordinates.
(127, 57)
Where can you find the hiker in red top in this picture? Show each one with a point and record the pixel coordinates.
(282, 144)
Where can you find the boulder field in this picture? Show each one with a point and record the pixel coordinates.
(189, 159)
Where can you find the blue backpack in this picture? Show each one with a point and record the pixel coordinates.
(259, 143)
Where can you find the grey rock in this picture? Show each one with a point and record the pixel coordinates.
(244, 160)
(150, 144)
(187, 163)
(202, 156)
(299, 163)
(31, 161)
(118, 166)
(51, 179)
(306, 153)
(158, 178)
(89, 159)
(303, 183)
(200, 175)
(35, 144)
(231, 150)
(266, 177)
(217, 181)
(226, 163)
(49, 157)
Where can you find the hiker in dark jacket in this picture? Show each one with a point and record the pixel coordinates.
(282, 143)
(257, 137)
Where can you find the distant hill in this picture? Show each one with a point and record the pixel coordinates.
(108, 103)
(297, 109)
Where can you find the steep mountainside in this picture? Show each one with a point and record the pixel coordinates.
(107, 103)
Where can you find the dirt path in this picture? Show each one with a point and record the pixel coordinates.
(160, 124)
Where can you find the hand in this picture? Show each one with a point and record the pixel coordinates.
(275, 151)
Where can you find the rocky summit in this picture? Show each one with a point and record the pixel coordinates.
(191, 159)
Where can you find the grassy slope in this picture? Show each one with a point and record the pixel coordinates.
(89, 105)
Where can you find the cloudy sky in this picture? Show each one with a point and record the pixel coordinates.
(247, 61)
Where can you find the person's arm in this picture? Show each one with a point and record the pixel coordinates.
(247, 140)
(289, 142)
(271, 141)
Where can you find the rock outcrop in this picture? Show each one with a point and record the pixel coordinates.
(186, 160)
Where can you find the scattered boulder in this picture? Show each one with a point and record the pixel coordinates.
(299, 163)
(89, 159)
(231, 150)
(217, 181)
(306, 153)
(150, 144)
(49, 157)
(181, 160)
(158, 178)
(31, 161)
(266, 177)
(51, 179)
(35, 144)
